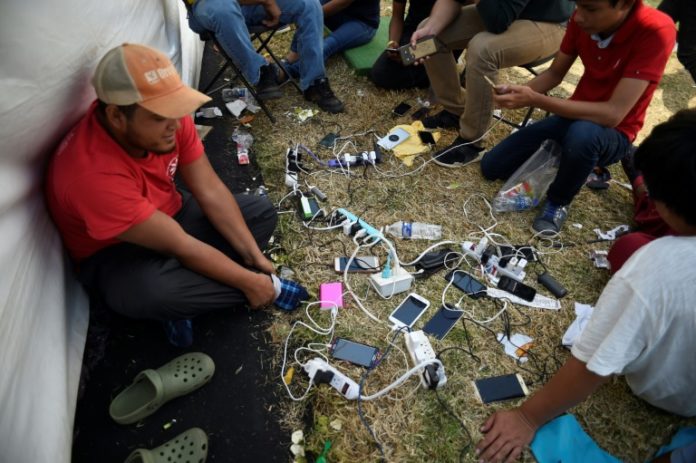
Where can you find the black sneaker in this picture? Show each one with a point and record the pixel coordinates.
(321, 94)
(442, 120)
(598, 179)
(460, 153)
(267, 88)
(550, 220)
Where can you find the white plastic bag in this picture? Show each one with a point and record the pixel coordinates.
(527, 186)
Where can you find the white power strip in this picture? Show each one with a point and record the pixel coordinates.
(320, 372)
(419, 347)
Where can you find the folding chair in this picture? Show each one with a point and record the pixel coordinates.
(530, 68)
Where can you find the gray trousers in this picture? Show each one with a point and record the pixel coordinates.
(140, 283)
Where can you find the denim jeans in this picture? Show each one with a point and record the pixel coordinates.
(227, 20)
(585, 146)
(346, 33)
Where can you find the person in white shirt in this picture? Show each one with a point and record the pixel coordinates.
(645, 319)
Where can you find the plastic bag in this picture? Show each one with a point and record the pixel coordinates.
(527, 186)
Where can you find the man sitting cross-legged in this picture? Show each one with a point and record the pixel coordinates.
(228, 21)
(624, 47)
(149, 250)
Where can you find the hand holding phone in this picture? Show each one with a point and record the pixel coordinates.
(425, 46)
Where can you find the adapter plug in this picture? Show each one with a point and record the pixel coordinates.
(399, 282)
(320, 372)
(419, 348)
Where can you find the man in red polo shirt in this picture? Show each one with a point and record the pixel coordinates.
(624, 47)
(148, 249)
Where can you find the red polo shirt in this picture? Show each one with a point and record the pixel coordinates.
(96, 191)
(639, 49)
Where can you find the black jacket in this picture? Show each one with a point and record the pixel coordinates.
(497, 15)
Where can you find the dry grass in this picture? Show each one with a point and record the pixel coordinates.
(410, 422)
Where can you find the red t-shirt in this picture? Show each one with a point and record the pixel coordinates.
(96, 191)
(639, 49)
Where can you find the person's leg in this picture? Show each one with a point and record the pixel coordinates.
(141, 283)
(507, 156)
(347, 33)
(225, 20)
(624, 247)
(585, 145)
(523, 42)
(686, 37)
(307, 41)
(441, 67)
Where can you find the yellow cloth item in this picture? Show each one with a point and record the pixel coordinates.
(412, 146)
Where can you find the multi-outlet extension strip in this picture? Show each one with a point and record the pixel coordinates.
(514, 268)
(432, 376)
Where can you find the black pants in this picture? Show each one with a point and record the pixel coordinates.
(140, 283)
(684, 12)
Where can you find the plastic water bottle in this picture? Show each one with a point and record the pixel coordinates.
(414, 230)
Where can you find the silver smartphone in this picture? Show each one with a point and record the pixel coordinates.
(409, 311)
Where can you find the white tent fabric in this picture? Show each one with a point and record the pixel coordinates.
(48, 50)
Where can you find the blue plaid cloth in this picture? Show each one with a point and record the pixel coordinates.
(179, 332)
(291, 294)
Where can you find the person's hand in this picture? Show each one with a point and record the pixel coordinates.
(425, 31)
(513, 96)
(391, 54)
(507, 433)
(263, 264)
(259, 290)
(272, 13)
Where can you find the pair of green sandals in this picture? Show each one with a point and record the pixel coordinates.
(153, 388)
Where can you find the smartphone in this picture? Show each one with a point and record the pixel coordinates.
(526, 252)
(420, 113)
(466, 283)
(498, 388)
(425, 46)
(328, 140)
(517, 288)
(364, 264)
(442, 322)
(409, 311)
(426, 137)
(401, 109)
(354, 352)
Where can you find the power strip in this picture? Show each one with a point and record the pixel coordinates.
(514, 268)
(320, 372)
(419, 347)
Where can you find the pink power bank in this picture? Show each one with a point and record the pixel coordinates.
(331, 292)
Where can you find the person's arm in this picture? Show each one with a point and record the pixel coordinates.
(606, 113)
(508, 432)
(497, 15)
(396, 24)
(272, 10)
(334, 6)
(442, 14)
(222, 210)
(163, 234)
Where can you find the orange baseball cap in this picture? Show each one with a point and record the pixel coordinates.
(132, 73)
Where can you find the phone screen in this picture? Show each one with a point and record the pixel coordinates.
(499, 388)
(354, 352)
(442, 322)
(466, 283)
(409, 311)
(359, 264)
(401, 109)
(513, 286)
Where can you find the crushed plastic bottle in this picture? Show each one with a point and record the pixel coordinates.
(414, 230)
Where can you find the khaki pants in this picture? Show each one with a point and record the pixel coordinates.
(522, 43)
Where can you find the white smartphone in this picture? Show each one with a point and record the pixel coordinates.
(409, 311)
(365, 264)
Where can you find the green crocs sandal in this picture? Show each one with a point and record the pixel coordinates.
(152, 388)
(188, 447)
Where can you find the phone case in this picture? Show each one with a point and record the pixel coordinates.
(424, 47)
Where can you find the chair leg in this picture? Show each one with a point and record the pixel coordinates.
(264, 46)
(214, 79)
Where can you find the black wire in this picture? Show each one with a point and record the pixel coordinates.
(363, 420)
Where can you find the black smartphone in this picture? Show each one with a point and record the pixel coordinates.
(328, 140)
(401, 109)
(365, 264)
(434, 261)
(426, 137)
(518, 251)
(442, 322)
(498, 388)
(420, 113)
(517, 288)
(354, 352)
(465, 282)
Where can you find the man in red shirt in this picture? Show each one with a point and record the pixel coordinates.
(148, 249)
(624, 47)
